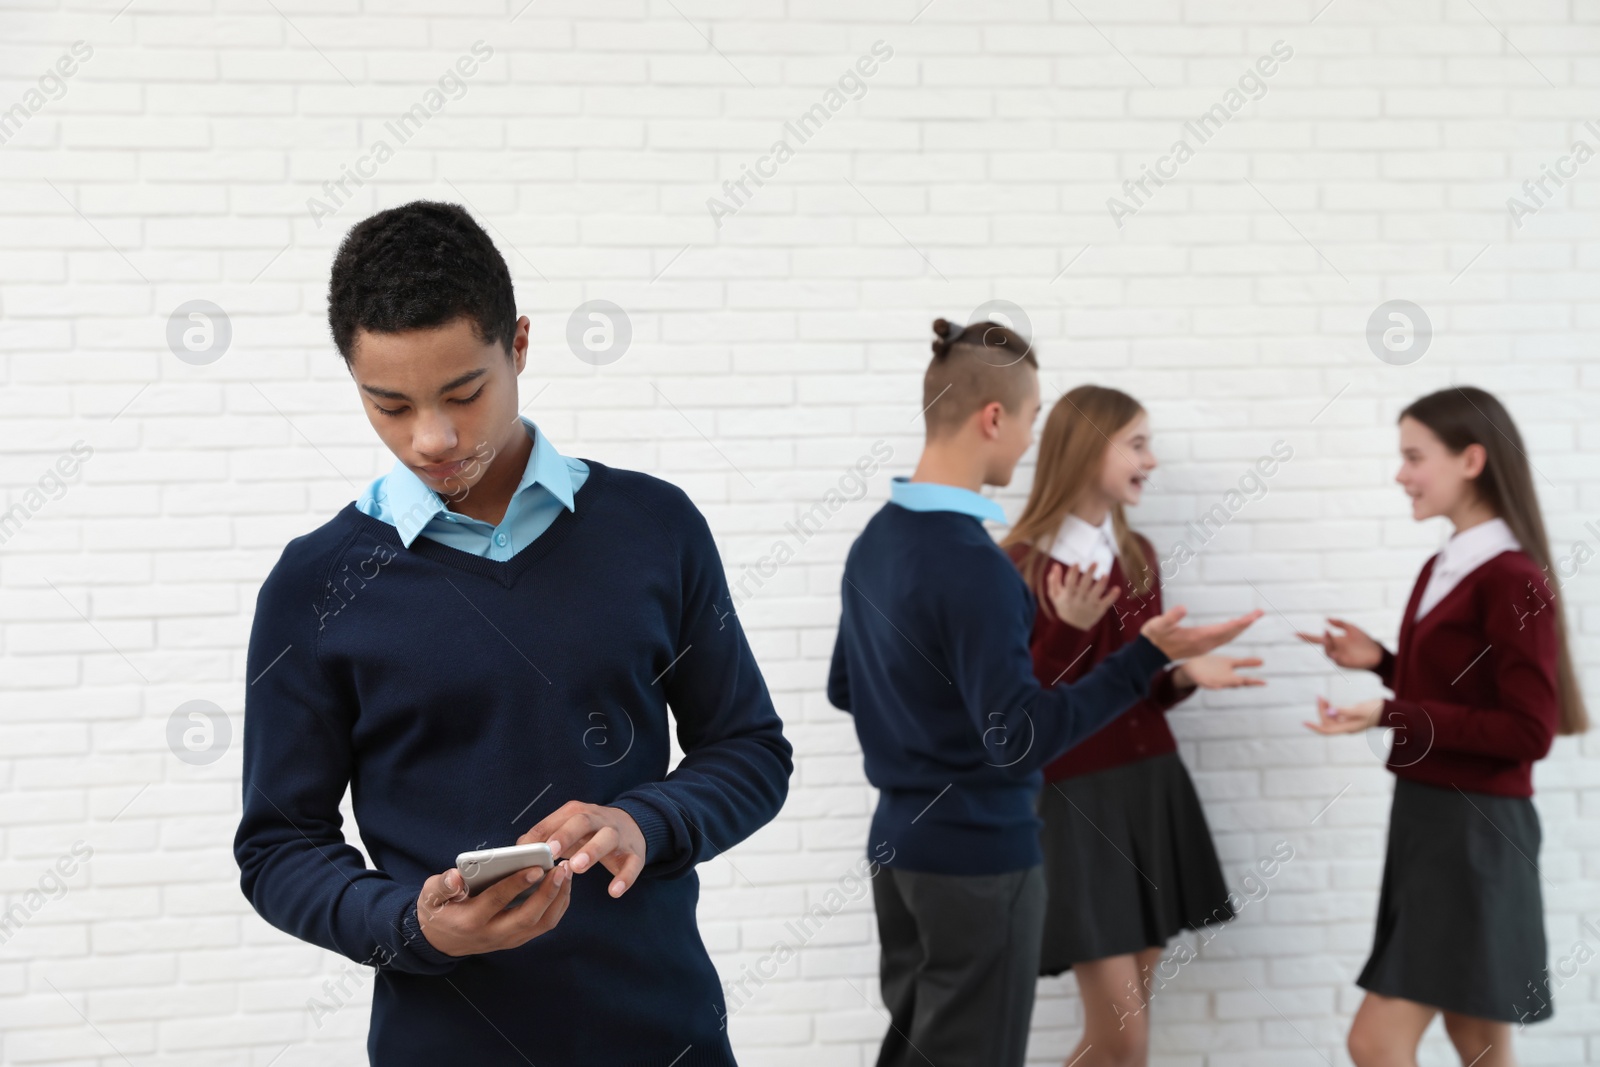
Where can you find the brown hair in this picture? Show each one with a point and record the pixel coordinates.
(1071, 454)
(973, 366)
(1466, 415)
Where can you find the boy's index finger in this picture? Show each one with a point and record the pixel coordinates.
(541, 829)
(566, 837)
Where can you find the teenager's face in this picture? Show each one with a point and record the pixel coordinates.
(444, 402)
(1014, 433)
(1438, 481)
(1127, 464)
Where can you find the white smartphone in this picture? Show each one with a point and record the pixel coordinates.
(486, 866)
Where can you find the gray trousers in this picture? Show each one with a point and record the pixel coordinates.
(958, 965)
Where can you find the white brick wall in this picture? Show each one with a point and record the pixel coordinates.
(768, 354)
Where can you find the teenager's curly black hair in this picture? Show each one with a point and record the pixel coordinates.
(416, 266)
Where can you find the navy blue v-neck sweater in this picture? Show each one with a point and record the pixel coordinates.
(933, 662)
(464, 699)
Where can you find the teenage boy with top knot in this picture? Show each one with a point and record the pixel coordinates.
(933, 662)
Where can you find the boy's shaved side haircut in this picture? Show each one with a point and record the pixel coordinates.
(973, 366)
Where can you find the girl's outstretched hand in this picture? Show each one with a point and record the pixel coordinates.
(1216, 672)
(1351, 720)
(1351, 647)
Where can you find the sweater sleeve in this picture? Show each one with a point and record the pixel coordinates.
(1522, 650)
(295, 866)
(838, 677)
(1022, 724)
(1165, 692)
(734, 774)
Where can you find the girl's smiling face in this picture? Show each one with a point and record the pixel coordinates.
(1128, 462)
(1438, 481)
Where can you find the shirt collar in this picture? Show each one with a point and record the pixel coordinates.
(413, 504)
(1475, 546)
(1079, 542)
(936, 496)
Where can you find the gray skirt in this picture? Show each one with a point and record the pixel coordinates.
(1128, 861)
(1460, 915)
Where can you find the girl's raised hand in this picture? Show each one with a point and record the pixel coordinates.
(1216, 672)
(1351, 720)
(1078, 598)
(1351, 647)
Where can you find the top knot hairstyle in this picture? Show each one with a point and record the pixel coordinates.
(418, 266)
(972, 366)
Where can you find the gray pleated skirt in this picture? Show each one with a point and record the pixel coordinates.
(1460, 915)
(1128, 862)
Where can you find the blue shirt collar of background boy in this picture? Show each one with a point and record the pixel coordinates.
(936, 496)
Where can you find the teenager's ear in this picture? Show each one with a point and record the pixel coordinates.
(519, 346)
(1476, 457)
(989, 417)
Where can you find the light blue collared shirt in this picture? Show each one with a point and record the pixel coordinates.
(549, 483)
(936, 496)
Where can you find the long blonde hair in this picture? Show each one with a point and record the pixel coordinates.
(1072, 452)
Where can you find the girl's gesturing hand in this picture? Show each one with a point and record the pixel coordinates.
(1078, 597)
(1350, 648)
(1351, 720)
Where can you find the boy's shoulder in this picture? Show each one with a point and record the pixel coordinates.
(646, 490)
(648, 499)
(956, 552)
(307, 560)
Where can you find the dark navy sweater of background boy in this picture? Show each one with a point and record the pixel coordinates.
(933, 662)
(464, 699)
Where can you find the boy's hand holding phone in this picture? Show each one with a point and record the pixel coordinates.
(459, 922)
(461, 925)
(591, 833)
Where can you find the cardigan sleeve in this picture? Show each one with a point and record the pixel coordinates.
(735, 770)
(295, 866)
(1522, 652)
(1385, 668)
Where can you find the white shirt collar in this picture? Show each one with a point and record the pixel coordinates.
(1463, 554)
(1085, 545)
(1475, 546)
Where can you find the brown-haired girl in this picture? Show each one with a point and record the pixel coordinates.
(1482, 682)
(1129, 860)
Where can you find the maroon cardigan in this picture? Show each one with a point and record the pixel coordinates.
(1474, 681)
(1064, 653)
